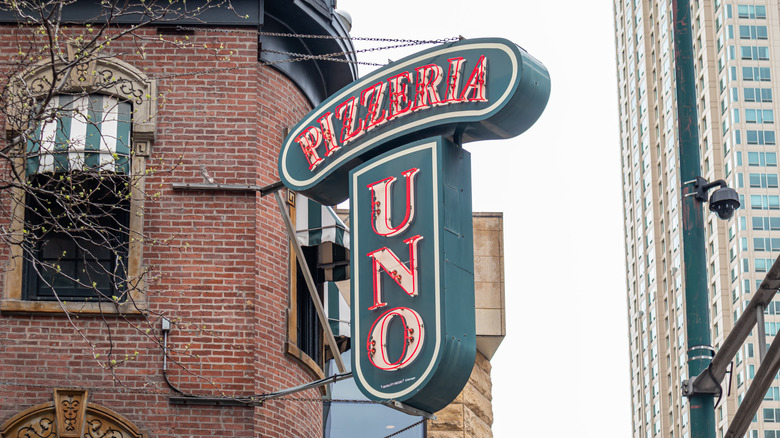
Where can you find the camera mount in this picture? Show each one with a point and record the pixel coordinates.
(723, 202)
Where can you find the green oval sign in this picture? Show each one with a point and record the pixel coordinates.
(471, 90)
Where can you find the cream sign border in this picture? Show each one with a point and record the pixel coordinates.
(437, 288)
(404, 126)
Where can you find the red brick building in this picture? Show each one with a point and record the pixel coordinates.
(210, 94)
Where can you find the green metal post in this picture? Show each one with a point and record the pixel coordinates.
(701, 406)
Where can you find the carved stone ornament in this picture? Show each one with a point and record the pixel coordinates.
(69, 416)
(101, 75)
(70, 405)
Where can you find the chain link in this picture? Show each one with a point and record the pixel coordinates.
(371, 39)
(305, 57)
(295, 57)
(325, 37)
(239, 67)
(323, 400)
(412, 426)
(202, 29)
(335, 56)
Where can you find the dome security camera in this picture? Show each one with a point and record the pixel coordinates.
(724, 202)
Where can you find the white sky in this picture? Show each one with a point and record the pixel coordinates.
(563, 367)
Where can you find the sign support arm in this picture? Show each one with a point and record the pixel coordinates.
(751, 317)
(765, 376)
(315, 298)
(709, 380)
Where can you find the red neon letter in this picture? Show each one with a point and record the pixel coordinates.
(414, 333)
(476, 83)
(374, 117)
(428, 80)
(453, 80)
(385, 259)
(399, 95)
(347, 112)
(309, 140)
(326, 123)
(382, 206)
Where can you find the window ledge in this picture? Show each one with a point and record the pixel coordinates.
(9, 305)
(308, 362)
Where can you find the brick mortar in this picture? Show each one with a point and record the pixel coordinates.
(222, 280)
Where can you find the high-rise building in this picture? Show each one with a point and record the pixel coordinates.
(736, 45)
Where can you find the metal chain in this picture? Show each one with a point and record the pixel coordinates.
(305, 57)
(300, 57)
(201, 72)
(201, 29)
(407, 428)
(334, 57)
(372, 39)
(238, 67)
(328, 37)
(323, 400)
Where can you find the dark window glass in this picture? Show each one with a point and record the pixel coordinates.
(76, 237)
(308, 328)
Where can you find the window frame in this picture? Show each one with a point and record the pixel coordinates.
(75, 251)
(122, 81)
(293, 311)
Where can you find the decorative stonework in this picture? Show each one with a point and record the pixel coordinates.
(70, 406)
(97, 428)
(43, 429)
(104, 75)
(69, 416)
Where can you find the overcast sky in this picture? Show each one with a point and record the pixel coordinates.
(563, 367)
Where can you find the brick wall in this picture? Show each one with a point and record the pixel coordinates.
(217, 261)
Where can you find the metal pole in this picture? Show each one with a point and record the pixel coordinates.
(761, 333)
(701, 405)
(710, 380)
(326, 331)
(755, 394)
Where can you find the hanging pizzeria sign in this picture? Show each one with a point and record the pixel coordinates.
(477, 89)
(391, 142)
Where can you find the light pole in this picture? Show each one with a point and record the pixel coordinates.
(700, 351)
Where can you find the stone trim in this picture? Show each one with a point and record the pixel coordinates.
(70, 416)
(108, 76)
